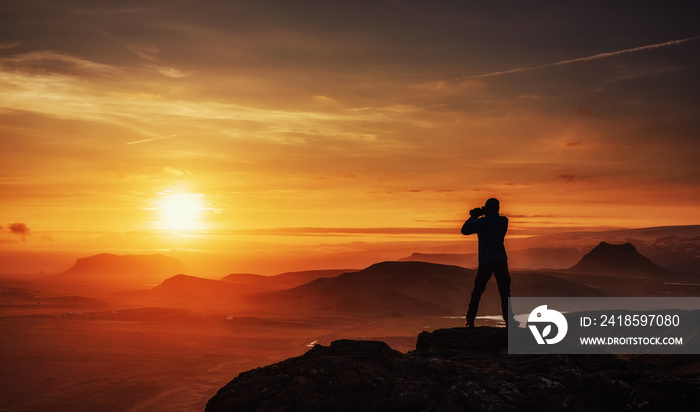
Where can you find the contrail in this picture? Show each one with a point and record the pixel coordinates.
(585, 59)
(150, 140)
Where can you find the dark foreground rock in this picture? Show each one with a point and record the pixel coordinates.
(460, 370)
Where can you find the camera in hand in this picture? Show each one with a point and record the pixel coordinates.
(476, 212)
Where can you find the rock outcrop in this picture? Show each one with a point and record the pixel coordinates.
(455, 370)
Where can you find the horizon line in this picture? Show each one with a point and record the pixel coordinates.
(318, 230)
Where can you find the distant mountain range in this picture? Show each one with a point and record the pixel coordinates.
(535, 257)
(673, 247)
(200, 293)
(404, 288)
(415, 288)
(284, 280)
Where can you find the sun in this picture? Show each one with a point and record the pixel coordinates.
(181, 211)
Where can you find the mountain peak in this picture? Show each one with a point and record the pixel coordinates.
(611, 259)
(625, 247)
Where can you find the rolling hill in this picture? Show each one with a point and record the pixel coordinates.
(414, 288)
(285, 280)
(398, 288)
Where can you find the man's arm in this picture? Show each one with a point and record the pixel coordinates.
(469, 227)
(472, 224)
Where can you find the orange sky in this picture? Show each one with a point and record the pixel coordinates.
(385, 114)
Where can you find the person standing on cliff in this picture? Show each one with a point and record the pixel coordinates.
(491, 229)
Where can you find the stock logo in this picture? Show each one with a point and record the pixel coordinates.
(543, 315)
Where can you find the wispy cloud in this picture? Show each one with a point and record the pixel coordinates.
(9, 45)
(585, 59)
(150, 52)
(345, 231)
(51, 61)
(150, 140)
(67, 87)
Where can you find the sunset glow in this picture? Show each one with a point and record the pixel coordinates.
(328, 116)
(190, 190)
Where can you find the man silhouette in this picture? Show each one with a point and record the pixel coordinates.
(491, 229)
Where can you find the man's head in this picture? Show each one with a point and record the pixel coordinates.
(492, 206)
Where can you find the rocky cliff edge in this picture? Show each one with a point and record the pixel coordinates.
(460, 369)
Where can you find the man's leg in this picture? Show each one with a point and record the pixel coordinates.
(482, 277)
(500, 272)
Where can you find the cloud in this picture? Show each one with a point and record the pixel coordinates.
(149, 140)
(150, 52)
(43, 61)
(169, 170)
(345, 231)
(146, 51)
(19, 229)
(444, 89)
(9, 45)
(166, 71)
(57, 85)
